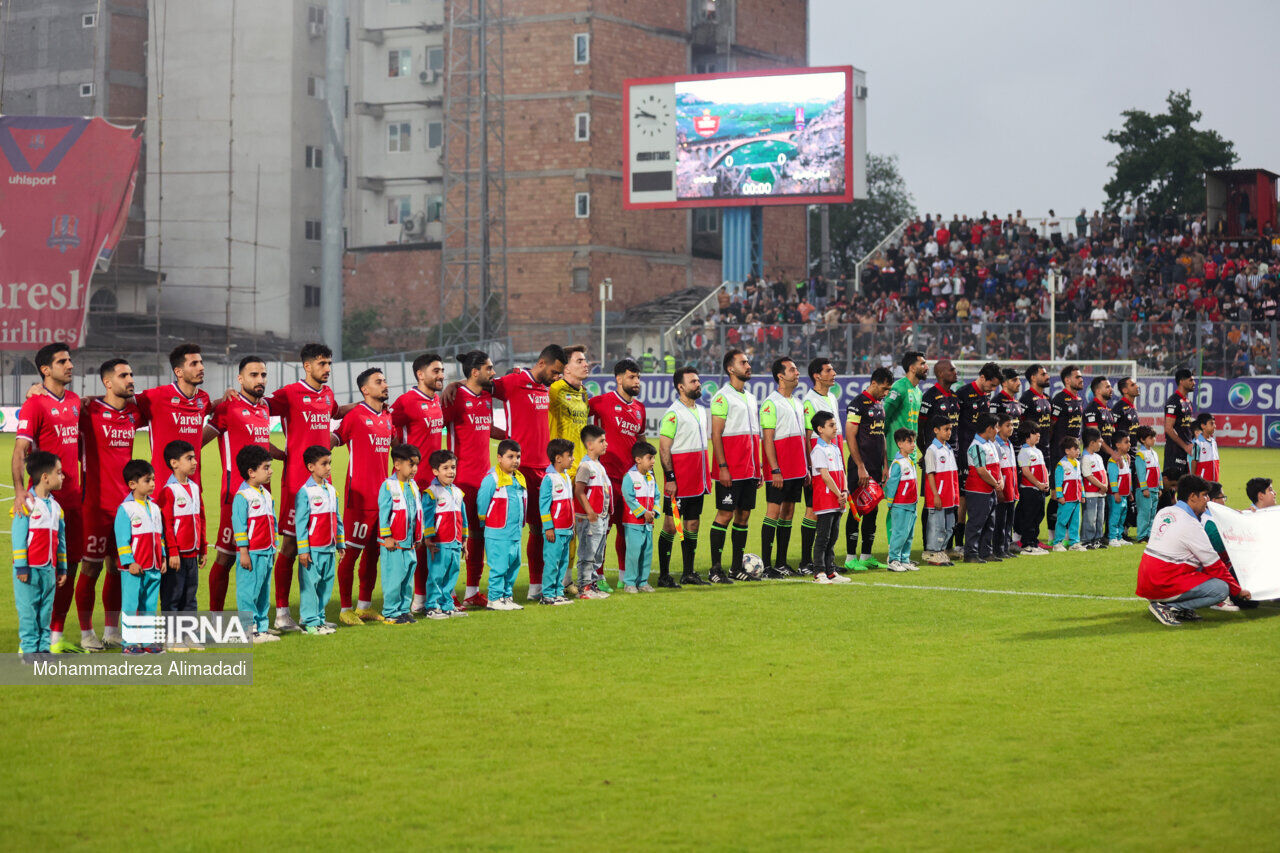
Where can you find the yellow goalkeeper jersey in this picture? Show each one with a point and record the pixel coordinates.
(569, 414)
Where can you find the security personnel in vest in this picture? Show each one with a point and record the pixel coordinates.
(669, 363)
(648, 361)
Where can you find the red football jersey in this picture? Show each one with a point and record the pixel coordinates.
(107, 439)
(469, 420)
(172, 416)
(306, 416)
(419, 420)
(622, 423)
(53, 424)
(240, 422)
(528, 409)
(367, 435)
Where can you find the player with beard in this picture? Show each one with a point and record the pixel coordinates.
(468, 416)
(50, 420)
(864, 433)
(568, 409)
(974, 400)
(902, 403)
(176, 412)
(237, 422)
(108, 425)
(1005, 401)
(1098, 414)
(1179, 416)
(939, 403)
(621, 415)
(735, 456)
(1125, 409)
(418, 418)
(819, 398)
(682, 447)
(1067, 419)
(1038, 409)
(367, 431)
(784, 440)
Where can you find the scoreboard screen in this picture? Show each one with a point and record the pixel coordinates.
(718, 140)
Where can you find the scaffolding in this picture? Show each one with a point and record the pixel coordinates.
(473, 297)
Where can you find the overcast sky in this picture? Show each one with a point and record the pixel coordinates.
(1000, 106)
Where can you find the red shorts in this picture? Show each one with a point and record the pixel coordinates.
(226, 541)
(360, 526)
(99, 535)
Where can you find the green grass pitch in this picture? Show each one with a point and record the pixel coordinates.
(902, 711)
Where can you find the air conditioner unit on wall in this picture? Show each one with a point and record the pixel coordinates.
(427, 76)
(412, 228)
(315, 29)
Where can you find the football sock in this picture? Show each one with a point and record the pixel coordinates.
(283, 578)
(535, 590)
(470, 591)
(62, 596)
(346, 574)
(767, 529)
(620, 549)
(86, 592)
(850, 534)
(218, 577)
(808, 528)
(111, 597)
(364, 605)
(368, 573)
(739, 539)
(783, 540)
(689, 549)
(420, 575)
(419, 600)
(533, 551)
(718, 533)
(665, 542)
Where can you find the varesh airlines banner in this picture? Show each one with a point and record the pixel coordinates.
(65, 189)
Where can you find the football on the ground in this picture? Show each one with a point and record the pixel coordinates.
(753, 565)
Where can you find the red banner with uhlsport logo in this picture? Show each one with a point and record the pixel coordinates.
(65, 189)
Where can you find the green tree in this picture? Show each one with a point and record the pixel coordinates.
(356, 328)
(857, 228)
(1163, 157)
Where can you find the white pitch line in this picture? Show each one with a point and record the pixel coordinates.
(1000, 591)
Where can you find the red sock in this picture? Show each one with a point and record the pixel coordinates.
(346, 574)
(219, 575)
(284, 579)
(620, 547)
(368, 572)
(533, 553)
(62, 596)
(420, 573)
(111, 599)
(475, 557)
(86, 591)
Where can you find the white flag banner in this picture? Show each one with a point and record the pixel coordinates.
(1253, 543)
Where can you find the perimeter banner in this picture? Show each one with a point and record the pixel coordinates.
(65, 189)
(1252, 540)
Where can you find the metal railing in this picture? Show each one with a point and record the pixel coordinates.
(704, 309)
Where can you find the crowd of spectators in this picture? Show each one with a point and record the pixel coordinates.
(1159, 290)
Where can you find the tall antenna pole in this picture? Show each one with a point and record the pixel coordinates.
(231, 139)
(331, 242)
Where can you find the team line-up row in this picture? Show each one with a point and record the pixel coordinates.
(609, 481)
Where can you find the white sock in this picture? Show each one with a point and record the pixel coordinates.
(345, 610)
(535, 589)
(86, 633)
(471, 590)
(282, 611)
(363, 605)
(111, 631)
(419, 600)
(55, 637)
(864, 556)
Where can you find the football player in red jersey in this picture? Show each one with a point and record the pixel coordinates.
(176, 412)
(527, 403)
(237, 421)
(306, 409)
(367, 431)
(418, 417)
(51, 421)
(108, 425)
(621, 415)
(468, 414)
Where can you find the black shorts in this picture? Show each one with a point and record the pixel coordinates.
(690, 508)
(741, 494)
(1175, 468)
(789, 493)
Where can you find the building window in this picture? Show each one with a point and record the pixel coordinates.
(581, 205)
(89, 20)
(581, 280)
(315, 16)
(315, 157)
(706, 220)
(397, 209)
(315, 87)
(435, 134)
(86, 90)
(581, 48)
(435, 208)
(582, 127)
(310, 296)
(435, 58)
(399, 63)
(706, 66)
(313, 230)
(398, 136)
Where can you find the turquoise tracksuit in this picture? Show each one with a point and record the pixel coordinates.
(1067, 526)
(1145, 507)
(902, 517)
(555, 554)
(500, 504)
(46, 543)
(399, 518)
(315, 580)
(252, 593)
(139, 593)
(443, 565)
(639, 536)
(1116, 512)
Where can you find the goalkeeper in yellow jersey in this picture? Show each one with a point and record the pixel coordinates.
(569, 414)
